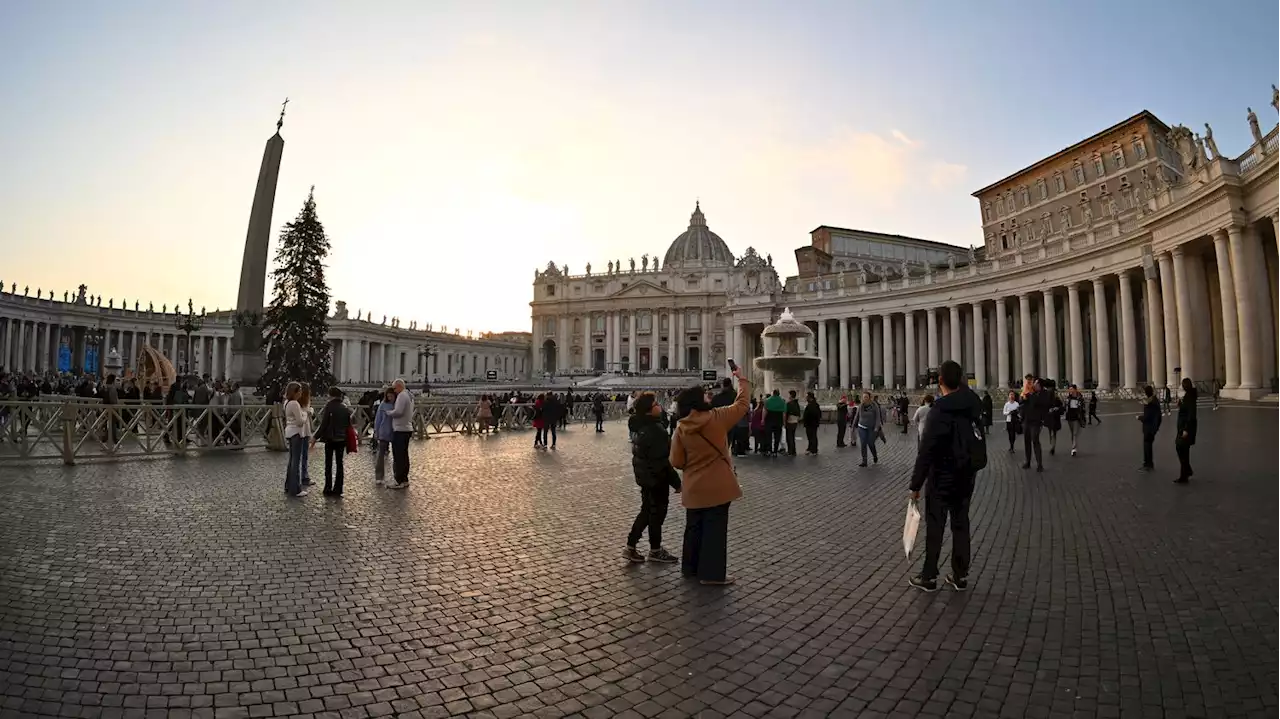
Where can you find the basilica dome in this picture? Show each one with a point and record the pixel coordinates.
(698, 246)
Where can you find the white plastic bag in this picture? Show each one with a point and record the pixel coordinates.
(911, 526)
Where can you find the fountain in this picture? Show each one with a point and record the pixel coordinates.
(786, 367)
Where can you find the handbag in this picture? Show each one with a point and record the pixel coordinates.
(353, 442)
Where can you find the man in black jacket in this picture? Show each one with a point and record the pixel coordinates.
(655, 476)
(811, 419)
(552, 412)
(1186, 435)
(1150, 419)
(1035, 410)
(949, 478)
(793, 421)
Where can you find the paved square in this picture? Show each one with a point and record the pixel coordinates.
(495, 587)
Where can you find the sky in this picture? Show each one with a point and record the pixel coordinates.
(457, 147)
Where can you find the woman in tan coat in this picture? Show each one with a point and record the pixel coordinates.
(700, 449)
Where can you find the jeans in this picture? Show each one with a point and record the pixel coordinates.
(539, 437)
(293, 472)
(1074, 426)
(936, 511)
(333, 455)
(380, 460)
(1031, 442)
(400, 456)
(1012, 429)
(600, 423)
(841, 428)
(653, 512)
(706, 543)
(306, 461)
(811, 439)
(774, 436)
(1183, 448)
(868, 437)
(791, 437)
(551, 430)
(1148, 442)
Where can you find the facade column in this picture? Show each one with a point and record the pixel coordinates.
(1155, 334)
(909, 327)
(1169, 303)
(655, 323)
(1076, 331)
(1233, 340)
(979, 346)
(706, 337)
(1259, 281)
(1129, 338)
(932, 336)
(824, 367)
(677, 324)
(844, 352)
(1002, 343)
(1051, 335)
(1186, 346)
(886, 326)
(865, 323)
(1102, 335)
(633, 351)
(957, 346)
(1028, 349)
(1245, 313)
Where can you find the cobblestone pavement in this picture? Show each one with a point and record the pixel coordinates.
(494, 586)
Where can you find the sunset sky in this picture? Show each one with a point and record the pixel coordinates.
(456, 147)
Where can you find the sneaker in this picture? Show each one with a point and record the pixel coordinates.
(379, 483)
(303, 493)
(398, 485)
(1073, 451)
(959, 584)
(862, 464)
(924, 585)
(633, 555)
(1181, 480)
(306, 481)
(661, 555)
(718, 582)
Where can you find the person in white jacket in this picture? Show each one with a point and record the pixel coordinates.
(922, 413)
(1012, 419)
(295, 424)
(401, 430)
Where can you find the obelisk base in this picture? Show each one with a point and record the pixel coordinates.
(247, 362)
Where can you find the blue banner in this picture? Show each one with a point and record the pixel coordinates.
(91, 359)
(64, 358)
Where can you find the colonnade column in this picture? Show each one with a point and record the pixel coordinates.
(706, 335)
(1186, 347)
(1101, 335)
(633, 350)
(865, 323)
(1259, 281)
(1155, 334)
(655, 323)
(1051, 368)
(1233, 339)
(979, 346)
(677, 335)
(1002, 343)
(824, 368)
(1129, 340)
(1169, 303)
(844, 353)
(957, 347)
(1076, 330)
(1245, 314)
(931, 329)
(909, 326)
(1028, 350)
(886, 327)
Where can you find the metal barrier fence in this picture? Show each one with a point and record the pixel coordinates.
(77, 430)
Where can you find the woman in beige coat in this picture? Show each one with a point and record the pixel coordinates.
(699, 447)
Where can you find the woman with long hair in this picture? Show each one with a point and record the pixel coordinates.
(1012, 419)
(484, 414)
(700, 448)
(295, 419)
(539, 423)
(1186, 434)
(304, 399)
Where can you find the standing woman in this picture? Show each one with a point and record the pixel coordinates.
(699, 448)
(335, 420)
(1012, 419)
(922, 413)
(1053, 422)
(485, 414)
(304, 399)
(1186, 436)
(539, 424)
(1075, 415)
(383, 432)
(987, 411)
(295, 418)
(842, 419)
(757, 427)
(868, 420)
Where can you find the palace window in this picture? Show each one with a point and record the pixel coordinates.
(987, 211)
(666, 322)
(577, 325)
(549, 326)
(551, 290)
(626, 324)
(1042, 188)
(1078, 172)
(1000, 206)
(1098, 168)
(597, 323)
(645, 321)
(1059, 183)
(1117, 156)
(1024, 196)
(692, 321)
(1139, 148)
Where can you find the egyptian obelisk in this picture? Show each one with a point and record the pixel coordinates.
(247, 359)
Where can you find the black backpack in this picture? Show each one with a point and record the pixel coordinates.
(968, 444)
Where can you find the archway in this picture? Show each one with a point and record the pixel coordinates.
(646, 362)
(694, 355)
(549, 356)
(597, 359)
(664, 363)
(626, 363)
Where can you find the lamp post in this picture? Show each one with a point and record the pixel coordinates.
(186, 324)
(426, 352)
(92, 343)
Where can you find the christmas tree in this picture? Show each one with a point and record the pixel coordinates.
(295, 323)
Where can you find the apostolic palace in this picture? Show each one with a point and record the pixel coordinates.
(1138, 255)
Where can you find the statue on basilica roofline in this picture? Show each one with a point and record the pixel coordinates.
(655, 263)
(633, 265)
(1209, 142)
(769, 259)
(610, 268)
(906, 270)
(1253, 126)
(588, 269)
(65, 296)
(951, 262)
(644, 262)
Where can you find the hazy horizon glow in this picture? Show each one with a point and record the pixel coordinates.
(457, 148)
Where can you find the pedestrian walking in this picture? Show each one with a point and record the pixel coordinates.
(597, 409)
(1053, 420)
(921, 415)
(383, 434)
(335, 422)
(554, 411)
(295, 418)
(710, 484)
(951, 453)
(484, 415)
(540, 422)
(757, 427)
(1150, 419)
(1168, 400)
(1012, 419)
(1034, 410)
(987, 411)
(842, 419)
(1217, 391)
(868, 422)
(811, 418)
(1075, 415)
(1187, 425)
(651, 464)
(1093, 407)
(904, 406)
(401, 431)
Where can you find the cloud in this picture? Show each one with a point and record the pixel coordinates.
(944, 175)
(901, 136)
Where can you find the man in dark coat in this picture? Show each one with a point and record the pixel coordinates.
(552, 412)
(947, 477)
(1150, 419)
(1034, 410)
(1186, 436)
(655, 476)
(811, 418)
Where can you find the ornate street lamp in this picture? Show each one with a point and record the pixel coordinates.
(93, 338)
(426, 352)
(188, 323)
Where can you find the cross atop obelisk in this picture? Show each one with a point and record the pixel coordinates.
(247, 359)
